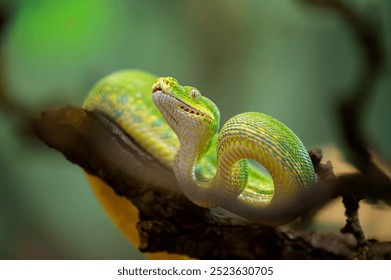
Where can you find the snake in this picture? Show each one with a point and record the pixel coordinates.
(251, 167)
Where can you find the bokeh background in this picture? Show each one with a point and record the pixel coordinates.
(278, 57)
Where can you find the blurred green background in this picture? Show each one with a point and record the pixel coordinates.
(277, 57)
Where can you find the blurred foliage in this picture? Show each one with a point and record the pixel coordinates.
(277, 57)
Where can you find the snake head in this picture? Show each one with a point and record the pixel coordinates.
(185, 109)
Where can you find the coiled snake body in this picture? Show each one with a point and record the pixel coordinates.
(180, 129)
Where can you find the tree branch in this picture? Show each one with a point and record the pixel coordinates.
(169, 221)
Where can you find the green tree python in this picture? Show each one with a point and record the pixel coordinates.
(214, 168)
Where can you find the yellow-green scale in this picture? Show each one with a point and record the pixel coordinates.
(280, 151)
(125, 97)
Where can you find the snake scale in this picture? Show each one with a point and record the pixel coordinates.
(214, 168)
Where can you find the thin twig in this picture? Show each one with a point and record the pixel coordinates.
(369, 37)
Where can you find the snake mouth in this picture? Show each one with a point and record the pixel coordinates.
(164, 91)
(161, 85)
(156, 87)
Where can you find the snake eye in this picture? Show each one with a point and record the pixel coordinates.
(195, 94)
